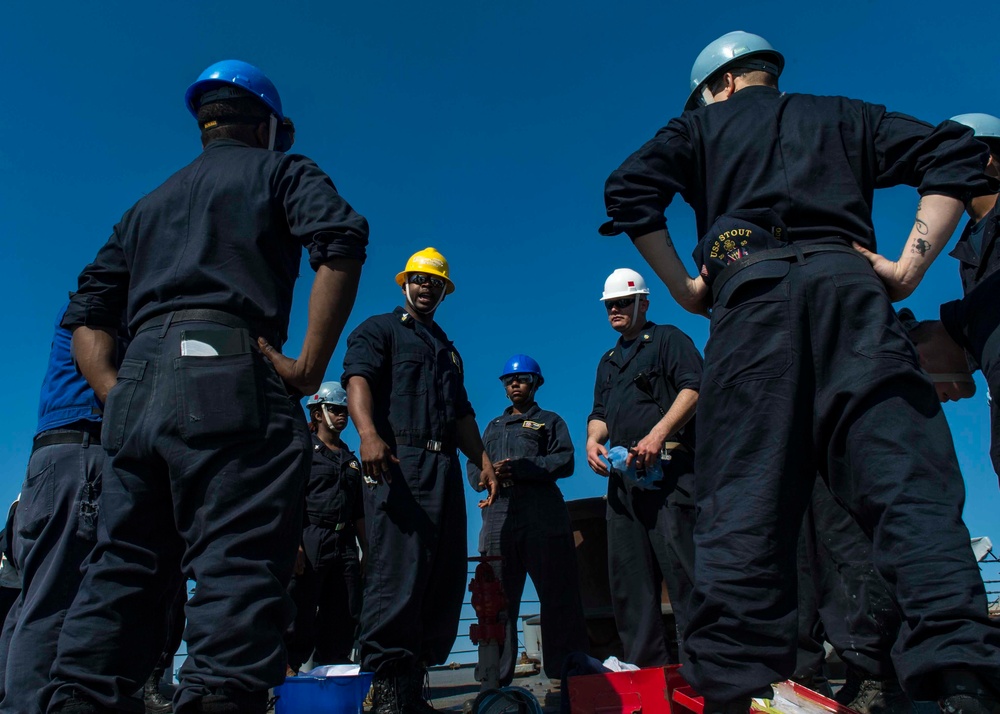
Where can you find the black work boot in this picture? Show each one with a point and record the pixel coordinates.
(412, 683)
(386, 697)
(965, 693)
(155, 702)
(736, 706)
(879, 696)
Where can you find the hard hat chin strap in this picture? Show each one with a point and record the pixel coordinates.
(411, 303)
(272, 132)
(326, 416)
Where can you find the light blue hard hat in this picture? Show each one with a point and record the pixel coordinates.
(740, 48)
(219, 79)
(329, 393)
(985, 126)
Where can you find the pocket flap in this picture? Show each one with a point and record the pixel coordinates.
(764, 270)
(132, 369)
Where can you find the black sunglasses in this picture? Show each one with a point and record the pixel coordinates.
(620, 303)
(509, 379)
(421, 279)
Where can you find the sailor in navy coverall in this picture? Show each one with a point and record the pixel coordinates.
(208, 448)
(406, 395)
(56, 525)
(645, 396)
(326, 587)
(808, 369)
(529, 524)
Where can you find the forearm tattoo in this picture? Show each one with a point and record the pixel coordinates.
(920, 245)
(920, 225)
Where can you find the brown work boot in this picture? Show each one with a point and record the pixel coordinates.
(880, 696)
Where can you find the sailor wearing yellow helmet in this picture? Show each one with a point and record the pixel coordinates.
(406, 395)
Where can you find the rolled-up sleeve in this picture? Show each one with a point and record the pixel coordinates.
(317, 215)
(102, 289)
(639, 191)
(599, 412)
(945, 159)
(367, 347)
(683, 361)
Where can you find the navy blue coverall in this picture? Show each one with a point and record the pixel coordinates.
(807, 369)
(529, 527)
(650, 532)
(56, 525)
(974, 321)
(842, 599)
(208, 455)
(415, 573)
(327, 594)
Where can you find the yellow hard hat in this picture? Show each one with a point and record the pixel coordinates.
(428, 261)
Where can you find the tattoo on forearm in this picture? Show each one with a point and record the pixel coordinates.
(670, 243)
(920, 245)
(919, 224)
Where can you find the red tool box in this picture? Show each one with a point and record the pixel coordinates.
(663, 691)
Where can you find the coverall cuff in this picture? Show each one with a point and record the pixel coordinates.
(321, 252)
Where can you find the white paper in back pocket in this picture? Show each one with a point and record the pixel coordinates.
(197, 348)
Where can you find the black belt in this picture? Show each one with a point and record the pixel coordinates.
(428, 444)
(206, 315)
(792, 251)
(62, 437)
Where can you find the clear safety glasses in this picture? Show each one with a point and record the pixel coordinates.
(509, 379)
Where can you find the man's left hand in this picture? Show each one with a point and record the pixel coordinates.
(891, 273)
(292, 373)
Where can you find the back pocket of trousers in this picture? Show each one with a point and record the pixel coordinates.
(218, 397)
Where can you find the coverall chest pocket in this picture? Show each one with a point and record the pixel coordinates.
(409, 373)
(751, 329)
(528, 441)
(119, 403)
(218, 397)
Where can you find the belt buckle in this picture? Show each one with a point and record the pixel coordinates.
(434, 446)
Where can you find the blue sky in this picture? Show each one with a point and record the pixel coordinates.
(484, 129)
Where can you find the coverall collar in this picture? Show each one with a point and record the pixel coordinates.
(509, 415)
(621, 355)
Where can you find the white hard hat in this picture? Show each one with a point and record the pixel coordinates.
(623, 283)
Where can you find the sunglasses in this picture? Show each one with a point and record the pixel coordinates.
(421, 279)
(509, 379)
(620, 303)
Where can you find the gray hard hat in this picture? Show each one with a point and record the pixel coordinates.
(329, 393)
(733, 48)
(985, 126)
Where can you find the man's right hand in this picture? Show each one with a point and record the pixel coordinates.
(376, 459)
(291, 371)
(594, 453)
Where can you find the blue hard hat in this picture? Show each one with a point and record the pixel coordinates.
(733, 48)
(234, 73)
(522, 364)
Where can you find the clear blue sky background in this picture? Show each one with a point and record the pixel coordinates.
(484, 129)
